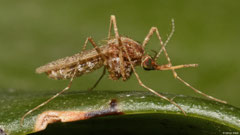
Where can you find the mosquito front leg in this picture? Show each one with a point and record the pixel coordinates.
(154, 29)
(199, 92)
(151, 32)
(146, 87)
(50, 99)
(146, 40)
(168, 39)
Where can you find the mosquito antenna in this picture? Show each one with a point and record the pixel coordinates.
(168, 39)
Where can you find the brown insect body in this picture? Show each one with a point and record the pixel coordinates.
(119, 55)
(89, 60)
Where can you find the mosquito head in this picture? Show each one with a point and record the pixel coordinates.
(148, 63)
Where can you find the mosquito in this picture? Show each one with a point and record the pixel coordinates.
(119, 56)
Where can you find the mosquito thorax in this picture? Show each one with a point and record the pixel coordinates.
(135, 52)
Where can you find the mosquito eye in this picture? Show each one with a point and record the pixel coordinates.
(147, 64)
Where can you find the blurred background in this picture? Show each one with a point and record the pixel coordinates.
(33, 33)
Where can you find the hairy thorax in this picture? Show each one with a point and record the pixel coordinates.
(135, 52)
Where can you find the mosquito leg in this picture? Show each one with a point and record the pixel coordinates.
(154, 29)
(85, 44)
(147, 38)
(99, 52)
(50, 99)
(199, 92)
(151, 32)
(176, 75)
(146, 87)
(113, 20)
(168, 39)
(110, 27)
(104, 59)
(114, 23)
(93, 43)
(97, 49)
(99, 79)
(122, 67)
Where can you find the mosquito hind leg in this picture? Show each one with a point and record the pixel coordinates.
(102, 56)
(50, 99)
(70, 83)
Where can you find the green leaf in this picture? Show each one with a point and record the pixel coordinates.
(106, 112)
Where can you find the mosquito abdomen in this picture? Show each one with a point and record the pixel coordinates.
(83, 67)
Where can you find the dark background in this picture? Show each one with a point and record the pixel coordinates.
(33, 33)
